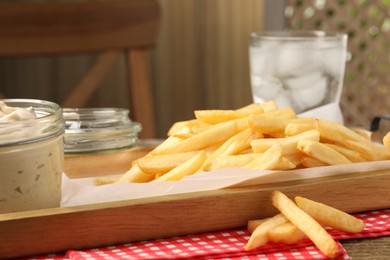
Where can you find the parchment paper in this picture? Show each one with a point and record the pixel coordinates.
(83, 191)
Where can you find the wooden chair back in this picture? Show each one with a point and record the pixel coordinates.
(111, 28)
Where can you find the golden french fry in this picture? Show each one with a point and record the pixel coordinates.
(259, 236)
(183, 132)
(386, 141)
(310, 162)
(351, 155)
(269, 106)
(253, 108)
(253, 224)
(209, 137)
(183, 124)
(268, 160)
(363, 132)
(295, 158)
(286, 233)
(369, 151)
(330, 216)
(295, 128)
(190, 167)
(285, 164)
(288, 144)
(219, 116)
(267, 124)
(105, 180)
(321, 152)
(166, 143)
(334, 132)
(136, 175)
(230, 161)
(266, 107)
(235, 144)
(163, 163)
(312, 229)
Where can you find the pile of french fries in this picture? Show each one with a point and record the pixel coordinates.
(257, 136)
(303, 219)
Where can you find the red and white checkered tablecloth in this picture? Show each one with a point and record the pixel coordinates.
(227, 244)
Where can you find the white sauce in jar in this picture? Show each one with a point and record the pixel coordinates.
(31, 158)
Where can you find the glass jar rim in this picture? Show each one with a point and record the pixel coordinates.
(99, 129)
(46, 111)
(298, 35)
(92, 113)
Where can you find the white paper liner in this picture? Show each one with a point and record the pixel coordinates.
(83, 191)
(329, 111)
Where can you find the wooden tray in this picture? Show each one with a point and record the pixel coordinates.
(59, 229)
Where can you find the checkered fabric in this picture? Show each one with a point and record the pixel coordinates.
(228, 245)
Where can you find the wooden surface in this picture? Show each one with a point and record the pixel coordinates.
(55, 230)
(114, 28)
(141, 98)
(93, 165)
(368, 248)
(76, 26)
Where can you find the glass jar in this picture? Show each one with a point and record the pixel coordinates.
(31, 157)
(97, 141)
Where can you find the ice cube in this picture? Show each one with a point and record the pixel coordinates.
(334, 61)
(304, 80)
(293, 59)
(283, 99)
(312, 96)
(265, 88)
(262, 61)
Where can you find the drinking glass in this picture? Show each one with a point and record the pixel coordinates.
(298, 69)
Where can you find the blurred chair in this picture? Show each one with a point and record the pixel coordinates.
(366, 83)
(111, 28)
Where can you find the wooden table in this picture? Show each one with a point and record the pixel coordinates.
(368, 248)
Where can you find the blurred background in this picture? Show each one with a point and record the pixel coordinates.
(201, 58)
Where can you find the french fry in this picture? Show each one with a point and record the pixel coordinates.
(295, 158)
(351, 155)
(253, 224)
(288, 144)
(321, 152)
(334, 132)
(295, 128)
(284, 165)
(310, 162)
(181, 124)
(311, 228)
(183, 133)
(165, 144)
(219, 116)
(164, 162)
(185, 169)
(209, 137)
(229, 161)
(369, 151)
(136, 175)
(269, 106)
(105, 180)
(286, 233)
(330, 216)
(259, 236)
(268, 160)
(235, 144)
(365, 133)
(386, 141)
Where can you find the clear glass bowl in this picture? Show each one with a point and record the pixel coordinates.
(95, 130)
